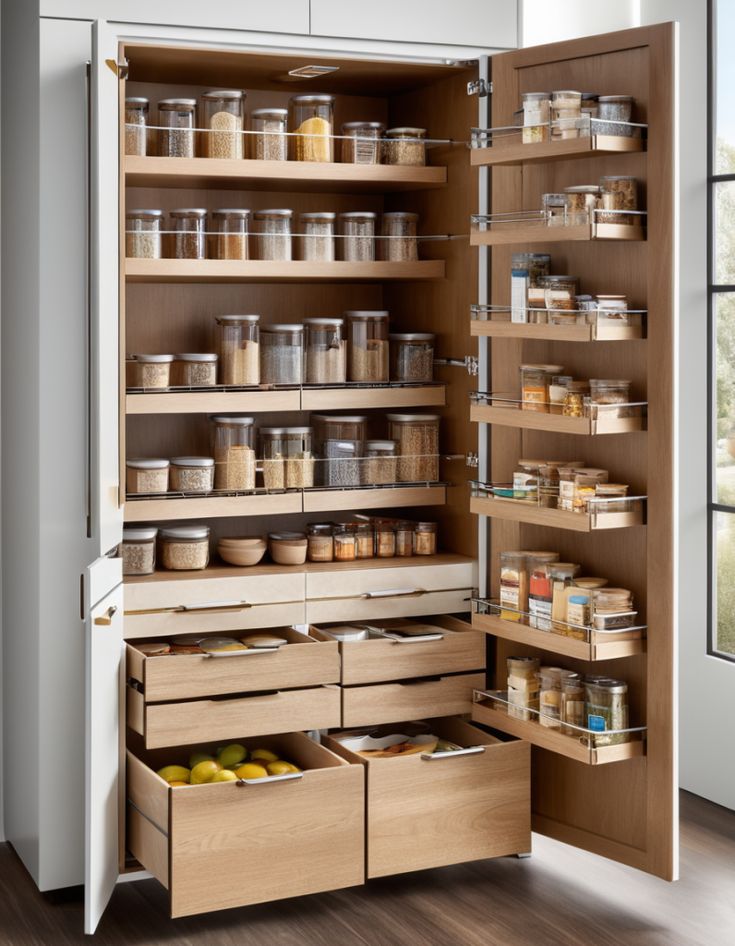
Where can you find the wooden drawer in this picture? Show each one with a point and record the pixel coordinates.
(415, 699)
(303, 662)
(428, 812)
(377, 661)
(170, 724)
(233, 844)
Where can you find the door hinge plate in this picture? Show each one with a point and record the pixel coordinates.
(119, 68)
(472, 363)
(480, 87)
(472, 460)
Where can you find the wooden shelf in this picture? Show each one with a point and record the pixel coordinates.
(519, 511)
(278, 175)
(381, 497)
(263, 271)
(354, 398)
(512, 416)
(543, 234)
(553, 333)
(516, 153)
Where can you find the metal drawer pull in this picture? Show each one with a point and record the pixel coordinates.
(394, 593)
(106, 619)
(212, 606)
(470, 750)
(250, 652)
(288, 777)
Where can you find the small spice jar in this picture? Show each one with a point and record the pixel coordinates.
(192, 474)
(189, 231)
(195, 370)
(550, 697)
(513, 585)
(555, 209)
(177, 121)
(143, 237)
(412, 356)
(607, 392)
(313, 124)
(523, 686)
(574, 398)
(229, 239)
(404, 539)
(612, 109)
(381, 463)
(138, 551)
(148, 371)
(357, 236)
(234, 456)
(136, 122)
(566, 113)
(425, 539)
(536, 106)
(607, 710)
(417, 436)
(223, 120)
(282, 354)
(326, 351)
(239, 349)
(361, 142)
(581, 203)
(146, 476)
(399, 243)
(385, 539)
(365, 538)
(320, 542)
(406, 146)
(269, 141)
(572, 703)
(368, 345)
(560, 292)
(535, 381)
(345, 543)
(184, 548)
(273, 234)
(317, 236)
(618, 193)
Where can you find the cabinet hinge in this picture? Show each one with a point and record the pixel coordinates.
(480, 87)
(472, 363)
(119, 68)
(472, 460)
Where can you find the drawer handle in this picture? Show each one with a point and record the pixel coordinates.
(249, 652)
(470, 750)
(105, 619)
(289, 777)
(394, 593)
(212, 606)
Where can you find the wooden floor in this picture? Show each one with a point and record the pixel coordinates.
(559, 897)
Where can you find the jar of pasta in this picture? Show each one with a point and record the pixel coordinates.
(313, 125)
(224, 121)
(417, 436)
(361, 142)
(368, 345)
(574, 399)
(234, 454)
(195, 370)
(239, 349)
(229, 239)
(269, 141)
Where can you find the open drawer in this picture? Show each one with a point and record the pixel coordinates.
(230, 844)
(302, 662)
(431, 810)
(379, 660)
(226, 718)
(410, 699)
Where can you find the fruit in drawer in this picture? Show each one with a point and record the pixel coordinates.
(231, 756)
(205, 771)
(251, 770)
(225, 775)
(281, 768)
(178, 784)
(196, 757)
(174, 773)
(264, 755)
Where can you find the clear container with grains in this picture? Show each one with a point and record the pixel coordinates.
(273, 234)
(320, 542)
(357, 236)
(138, 551)
(365, 535)
(581, 203)
(523, 687)
(194, 370)
(361, 142)
(189, 233)
(269, 140)
(192, 474)
(367, 332)
(513, 585)
(573, 696)
(282, 354)
(612, 109)
(326, 351)
(345, 543)
(417, 436)
(234, 455)
(618, 194)
(317, 236)
(136, 126)
(537, 265)
(607, 710)
(176, 134)
(577, 485)
(612, 309)
(184, 548)
(223, 117)
(566, 114)
(412, 356)
(148, 371)
(229, 239)
(146, 476)
(385, 539)
(339, 427)
(548, 485)
(288, 457)
(239, 349)
(609, 393)
(425, 538)
(560, 292)
(550, 697)
(404, 538)
(143, 236)
(535, 383)
(313, 124)
(536, 110)
(340, 463)
(576, 394)
(380, 466)
(557, 392)
(399, 242)
(405, 146)
(555, 209)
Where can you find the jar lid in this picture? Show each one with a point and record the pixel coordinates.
(543, 557)
(401, 418)
(611, 296)
(136, 100)
(145, 534)
(336, 418)
(264, 112)
(192, 461)
(286, 536)
(548, 369)
(563, 569)
(238, 420)
(579, 599)
(273, 212)
(312, 99)
(555, 279)
(185, 532)
(348, 446)
(542, 95)
(405, 130)
(196, 357)
(177, 103)
(380, 445)
(401, 214)
(144, 463)
(282, 327)
(617, 177)
(412, 337)
(323, 527)
(583, 189)
(319, 215)
(351, 126)
(613, 593)
(426, 527)
(566, 92)
(367, 314)
(590, 96)
(144, 213)
(189, 212)
(234, 319)
(553, 197)
(231, 212)
(335, 323)
(615, 98)
(300, 431)
(608, 381)
(224, 94)
(358, 215)
(152, 359)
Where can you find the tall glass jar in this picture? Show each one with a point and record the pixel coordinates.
(381, 463)
(326, 351)
(417, 436)
(412, 356)
(618, 193)
(230, 237)
(320, 542)
(177, 121)
(536, 107)
(136, 122)
(339, 427)
(607, 709)
(194, 370)
(317, 236)
(385, 539)
(282, 354)
(399, 243)
(404, 538)
(313, 124)
(368, 345)
(288, 459)
(239, 349)
(357, 236)
(425, 538)
(223, 121)
(189, 228)
(234, 455)
(365, 536)
(269, 141)
(143, 237)
(345, 543)
(406, 146)
(273, 229)
(566, 114)
(361, 142)
(612, 109)
(340, 463)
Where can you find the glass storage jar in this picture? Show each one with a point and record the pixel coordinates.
(189, 233)
(406, 146)
(357, 236)
(612, 109)
(577, 485)
(192, 474)
(361, 142)
(367, 332)
(317, 236)
(385, 539)
(320, 542)
(177, 121)
(576, 394)
(417, 436)
(138, 551)
(269, 140)
(273, 234)
(146, 476)
(566, 114)
(412, 356)
(365, 536)
(345, 543)
(339, 427)
(513, 585)
(380, 467)
(184, 548)
(340, 463)
(548, 485)
(288, 458)
(234, 456)
(223, 122)
(313, 125)
(555, 209)
(536, 264)
(399, 243)
(557, 392)
(573, 696)
(560, 292)
(282, 354)
(404, 539)
(581, 203)
(229, 239)
(536, 107)
(136, 126)
(239, 349)
(326, 351)
(194, 370)
(613, 309)
(143, 237)
(550, 697)
(148, 371)
(607, 709)
(523, 686)
(535, 381)
(607, 392)
(424, 542)
(618, 193)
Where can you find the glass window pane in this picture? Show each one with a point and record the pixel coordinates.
(724, 363)
(724, 626)
(724, 235)
(724, 81)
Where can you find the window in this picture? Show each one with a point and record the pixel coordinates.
(721, 320)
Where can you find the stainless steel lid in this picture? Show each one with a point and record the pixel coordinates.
(192, 461)
(282, 327)
(231, 212)
(367, 314)
(144, 212)
(265, 112)
(239, 420)
(358, 214)
(400, 418)
(412, 337)
(189, 212)
(177, 103)
(196, 357)
(318, 215)
(224, 94)
(312, 99)
(276, 212)
(329, 322)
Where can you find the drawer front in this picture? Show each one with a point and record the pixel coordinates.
(393, 702)
(322, 610)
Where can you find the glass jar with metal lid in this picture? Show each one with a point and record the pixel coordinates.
(195, 370)
(607, 709)
(368, 345)
(273, 234)
(618, 193)
(189, 231)
(612, 109)
(385, 539)
(136, 125)
(361, 142)
(340, 462)
(339, 427)
(404, 538)
(282, 354)
(192, 474)
(326, 351)
(581, 203)
(412, 356)
(223, 120)
(405, 146)
(317, 236)
(320, 542)
(365, 536)
(560, 292)
(313, 125)
(177, 121)
(234, 454)
(229, 239)
(417, 436)
(269, 141)
(148, 371)
(138, 550)
(399, 241)
(381, 462)
(146, 475)
(143, 236)
(576, 394)
(239, 349)
(184, 548)
(425, 538)
(345, 543)
(357, 236)
(288, 458)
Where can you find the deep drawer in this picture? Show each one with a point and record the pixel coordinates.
(414, 699)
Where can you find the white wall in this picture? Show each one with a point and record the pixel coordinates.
(548, 21)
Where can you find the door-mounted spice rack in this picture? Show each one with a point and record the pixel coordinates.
(509, 411)
(531, 227)
(494, 321)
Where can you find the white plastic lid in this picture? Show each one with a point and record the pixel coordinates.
(401, 418)
(192, 461)
(185, 532)
(239, 419)
(153, 359)
(224, 94)
(347, 418)
(231, 211)
(380, 445)
(312, 99)
(367, 314)
(319, 215)
(195, 356)
(277, 212)
(177, 103)
(237, 318)
(353, 126)
(359, 214)
(146, 463)
(145, 534)
(136, 100)
(264, 112)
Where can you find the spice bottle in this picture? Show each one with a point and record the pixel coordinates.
(425, 538)
(313, 124)
(513, 585)
(273, 234)
(239, 349)
(223, 120)
(405, 146)
(317, 236)
(143, 237)
(136, 122)
(368, 345)
(399, 243)
(189, 228)
(234, 456)
(269, 141)
(229, 239)
(523, 687)
(361, 142)
(138, 551)
(177, 121)
(357, 236)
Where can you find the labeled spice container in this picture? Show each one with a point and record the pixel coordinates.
(404, 539)
(417, 436)
(282, 354)
(536, 110)
(385, 539)
(365, 540)
(143, 237)
(192, 474)
(269, 141)
(361, 142)
(368, 345)
(234, 456)
(612, 109)
(540, 588)
(239, 349)
(381, 463)
(566, 114)
(535, 381)
(574, 399)
(177, 121)
(317, 236)
(406, 146)
(326, 351)
(573, 697)
(223, 113)
(148, 371)
(184, 548)
(618, 194)
(357, 236)
(555, 209)
(513, 585)
(313, 124)
(607, 709)
(288, 458)
(138, 551)
(345, 543)
(412, 356)
(550, 697)
(425, 538)
(229, 239)
(320, 542)
(607, 392)
(560, 292)
(579, 615)
(273, 234)
(523, 687)
(557, 392)
(581, 203)
(194, 370)
(146, 476)
(136, 122)
(399, 243)
(189, 229)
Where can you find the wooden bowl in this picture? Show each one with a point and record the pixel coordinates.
(241, 556)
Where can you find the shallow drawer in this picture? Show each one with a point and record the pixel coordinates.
(170, 724)
(430, 811)
(415, 699)
(233, 844)
(303, 662)
(375, 661)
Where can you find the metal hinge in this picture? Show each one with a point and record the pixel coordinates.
(472, 363)
(472, 460)
(119, 68)
(480, 87)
